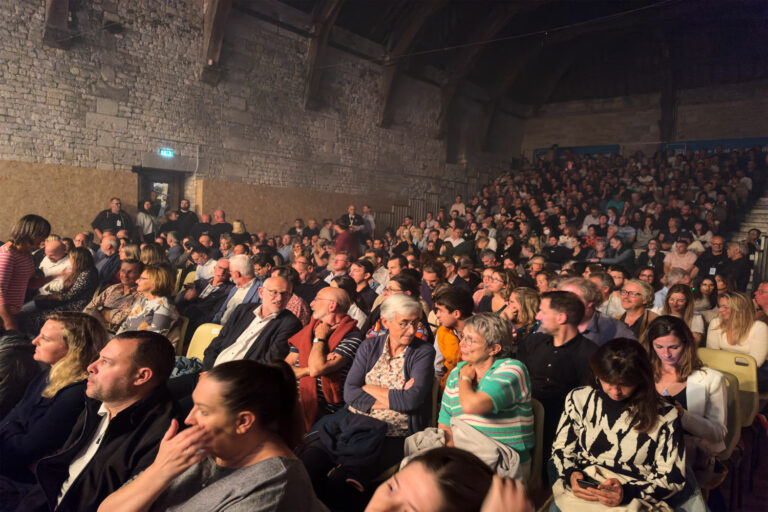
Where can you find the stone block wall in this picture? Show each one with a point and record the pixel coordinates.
(115, 97)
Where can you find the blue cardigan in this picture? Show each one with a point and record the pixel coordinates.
(419, 365)
(38, 426)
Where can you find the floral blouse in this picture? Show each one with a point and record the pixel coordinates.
(388, 372)
(156, 315)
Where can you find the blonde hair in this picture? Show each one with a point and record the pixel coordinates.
(741, 318)
(131, 252)
(162, 281)
(529, 300)
(85, 337)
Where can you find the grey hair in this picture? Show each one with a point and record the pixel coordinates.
(675, 275)
(647, 291)
(113, 243)
(241, 263)
(400, 304)
(173, 236)
(493, 328)
(587, 289)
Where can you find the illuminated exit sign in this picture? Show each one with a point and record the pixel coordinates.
(165, 152)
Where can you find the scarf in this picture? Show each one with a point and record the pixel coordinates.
(331, 384)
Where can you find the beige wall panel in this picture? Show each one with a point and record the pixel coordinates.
(273, 209)
(69, 197)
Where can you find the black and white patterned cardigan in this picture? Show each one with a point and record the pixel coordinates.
(594, 431)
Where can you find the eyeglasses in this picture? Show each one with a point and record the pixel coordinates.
(276, 293)
(463, 338)
(405, 324)
(628, 293)
(392, 290)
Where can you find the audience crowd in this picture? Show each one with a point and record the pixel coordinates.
(357, 368)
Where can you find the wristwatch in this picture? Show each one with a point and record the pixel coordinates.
(318, 340)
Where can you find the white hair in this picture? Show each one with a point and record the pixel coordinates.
(400, 304)
(241, 263)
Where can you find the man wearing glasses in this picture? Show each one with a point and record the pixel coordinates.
(256, 331)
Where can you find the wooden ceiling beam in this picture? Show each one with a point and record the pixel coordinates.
(396, 48)
(216, 14)
(323, 19)
(56, 29)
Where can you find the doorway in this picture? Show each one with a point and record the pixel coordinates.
(167, 185)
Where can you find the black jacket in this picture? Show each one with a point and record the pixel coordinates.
(17, 369)
(129, 446)
(270, 345)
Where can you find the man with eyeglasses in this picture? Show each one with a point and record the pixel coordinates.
(256, 331)
(712, 259)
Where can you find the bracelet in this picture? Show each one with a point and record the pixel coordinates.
(466, 379)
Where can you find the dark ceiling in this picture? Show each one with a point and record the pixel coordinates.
(535, 52)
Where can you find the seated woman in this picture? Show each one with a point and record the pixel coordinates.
(620, 409)
(652, 257)
(636, 297)
(490, 391)
(498, 288)
(697, 392)
(705, 297)
(436, 481)
(735, 329)
(237, 453)
(388, 391)
(521, 313)
(403, 283)
(40, 423)
(76, 293)
(153, 310)
(679, 303)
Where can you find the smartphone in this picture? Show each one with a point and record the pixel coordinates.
(587, 482)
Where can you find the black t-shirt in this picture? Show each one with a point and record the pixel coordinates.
(114, 222)
(186, 221)
(219, 229)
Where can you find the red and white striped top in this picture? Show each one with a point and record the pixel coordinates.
(16, 269)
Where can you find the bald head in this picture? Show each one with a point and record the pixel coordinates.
(331, 295)
(219, 216)
(55, 250)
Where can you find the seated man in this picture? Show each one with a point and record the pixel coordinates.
(54, 266)
(557, 357)
(113, 305)
(453, 305)
(594, 325)
(204, 264)
(321, 354)
(245, 290)
(362, 271)
(256, 331)
(200, 300)
(310, 284)
(127, 413)
(109, 264)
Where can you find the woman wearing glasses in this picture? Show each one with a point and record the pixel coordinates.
(490, 391)
(387, 391)
(636, 297)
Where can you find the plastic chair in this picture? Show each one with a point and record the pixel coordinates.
(179, 273)
(744, 368)
(537, 457)
(733, 416)
(201, 339)
(177, 332)
(190, 278)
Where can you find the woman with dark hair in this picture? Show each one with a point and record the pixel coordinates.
(646, 233)
(652, 257)
(76, 292)
(17, 268)
(357, 308)
(436, 481)
(620, 409)
(705, 297)
(698, 393)
(498, 288)
(237, 453)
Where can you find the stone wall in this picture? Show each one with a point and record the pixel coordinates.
(718, 112)
(112, 100)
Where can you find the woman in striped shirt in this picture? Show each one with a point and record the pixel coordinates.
(17, 267)
(489, 391)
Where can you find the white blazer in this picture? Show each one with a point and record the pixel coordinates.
(705, 417)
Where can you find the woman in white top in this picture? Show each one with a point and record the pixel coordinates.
(735, 329)
(680, 303)
(697, 392)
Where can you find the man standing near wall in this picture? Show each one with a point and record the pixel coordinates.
(187, 218)
(113, 219)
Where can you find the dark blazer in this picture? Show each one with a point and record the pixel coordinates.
(270, 345)
(129, 446)
(415, 401)
(17, 369)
